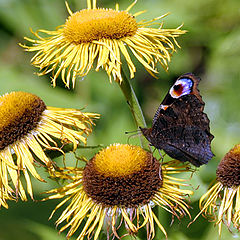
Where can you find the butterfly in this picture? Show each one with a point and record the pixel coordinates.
(180, 127)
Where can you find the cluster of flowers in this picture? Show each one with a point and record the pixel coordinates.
(121, 183)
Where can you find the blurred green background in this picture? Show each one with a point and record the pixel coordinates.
(210, 49)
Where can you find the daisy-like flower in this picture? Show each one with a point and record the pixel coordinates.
(27, 128)
(120, 184)
(103, 36)
(222, 201)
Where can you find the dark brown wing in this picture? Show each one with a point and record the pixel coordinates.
(185, 143)
(187, 110)
(182, 131)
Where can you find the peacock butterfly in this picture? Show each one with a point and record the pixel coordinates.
(180, 127)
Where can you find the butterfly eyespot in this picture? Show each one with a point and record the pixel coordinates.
(181, 87)
(178, 89)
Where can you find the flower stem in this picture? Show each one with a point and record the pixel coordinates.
(135, 108)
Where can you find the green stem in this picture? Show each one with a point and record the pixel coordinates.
(135, 108)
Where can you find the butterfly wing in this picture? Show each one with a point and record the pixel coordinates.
(183, 133)
(186, 111)
(182, 129)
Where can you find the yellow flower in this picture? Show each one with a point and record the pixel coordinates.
(222, 201)
(104, 37)
(27, 128)
(120, 184)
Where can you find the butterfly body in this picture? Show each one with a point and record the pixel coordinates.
(180, 127)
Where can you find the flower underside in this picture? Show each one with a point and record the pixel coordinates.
(221, 203)
(99, 197)
(102, 38)
(27, 128)
(228, 171)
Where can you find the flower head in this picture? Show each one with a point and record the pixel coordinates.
(222, 200)
(120, 184)
(27, 128)
(104, 37)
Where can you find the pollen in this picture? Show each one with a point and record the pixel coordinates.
(228, 171)
(88, 25)
(20, 113)
(120, 160)
(122, 175)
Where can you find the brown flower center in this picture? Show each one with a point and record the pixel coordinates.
(228, 171)
(20, 113)
(95, 24)
(130, 188)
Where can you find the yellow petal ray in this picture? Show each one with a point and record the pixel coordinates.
(29, 184)
(94, 5)
(106, 46)
(74, 223)
(144, 215)
(141, 60)
(4, 177)
(89, 4)
(117, 55)
(214, 191)
(41, 138)
(92, 55)
(17, 183)
(159, 224)
(210, 200)
(149, 212)
(163, 204)
(25, 157)
(128, 221)
(139, 13)
(237, 205)
(43, 59)
(13, 173)
(6, 157)
(58, 206)
(57, 74)
(113, 221)
(94, 216)
(130, 64)
(100, 224)
(157, 18)
(131, 6)
(67, 213)
(230, 201)
(84, 57)
(37, 149)
(68, 8)
(222, 206)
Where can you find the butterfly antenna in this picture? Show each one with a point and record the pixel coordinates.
(136, 133)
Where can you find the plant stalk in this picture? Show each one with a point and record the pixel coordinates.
(135, 108)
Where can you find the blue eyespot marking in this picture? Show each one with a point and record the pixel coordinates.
(181, 87)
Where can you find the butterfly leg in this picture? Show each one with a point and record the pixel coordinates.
(160, 154)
